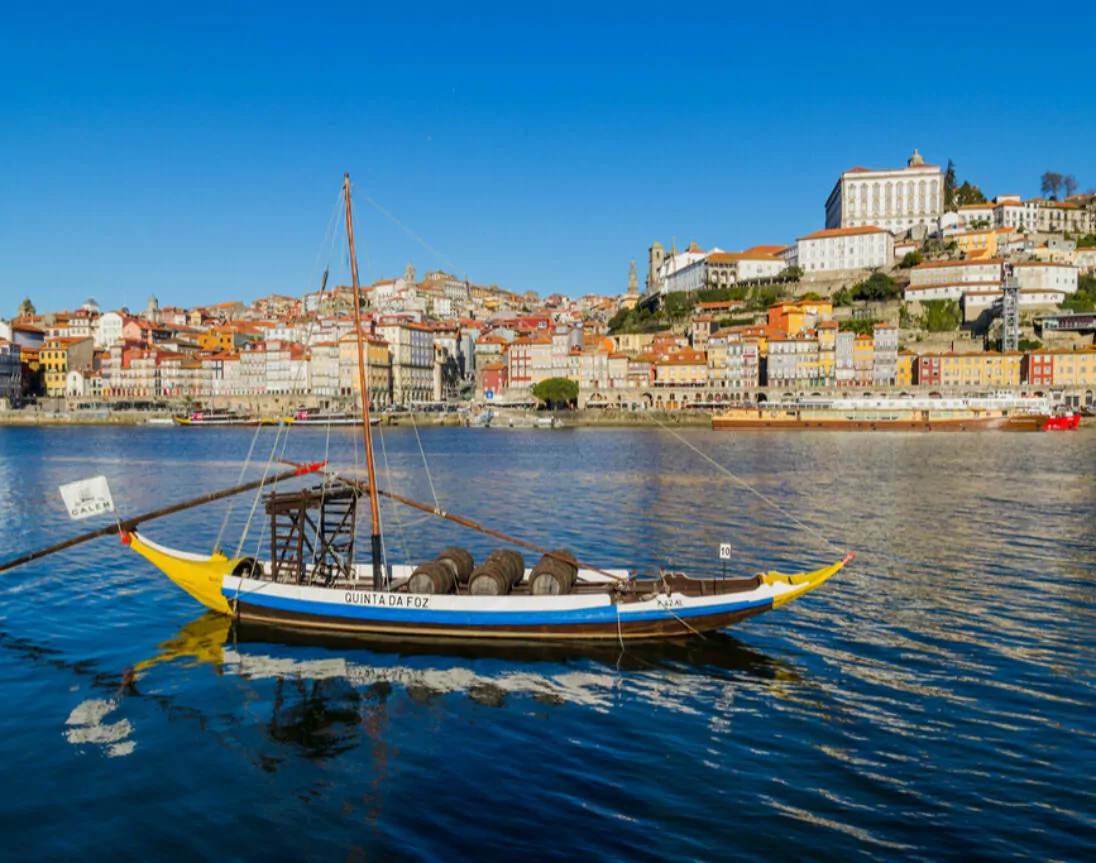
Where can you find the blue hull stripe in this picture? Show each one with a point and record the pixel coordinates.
(602, 614)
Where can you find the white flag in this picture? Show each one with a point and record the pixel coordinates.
(87, 497)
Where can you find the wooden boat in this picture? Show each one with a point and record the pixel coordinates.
(224, 418)
(899, 414)
(615, 607)
(311, 581)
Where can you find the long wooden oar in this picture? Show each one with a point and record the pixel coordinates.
(131, 523)
(464, 522)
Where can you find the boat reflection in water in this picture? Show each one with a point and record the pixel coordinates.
(323, 684)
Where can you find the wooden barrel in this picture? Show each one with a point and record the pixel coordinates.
(551, 576)
(511, 562)
(490, 578)
(570, 558)
(432, 577)
(460, 563)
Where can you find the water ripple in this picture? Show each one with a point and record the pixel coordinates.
(934, 702)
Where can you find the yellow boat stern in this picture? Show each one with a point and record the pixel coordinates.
(802, 582)
(201, 577)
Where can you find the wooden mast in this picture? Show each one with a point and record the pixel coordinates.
(378, 572)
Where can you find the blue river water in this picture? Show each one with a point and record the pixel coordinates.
(934, 701)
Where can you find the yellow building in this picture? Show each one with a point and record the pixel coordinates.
(1075, 368)
(977, 244)
(633, 343)
(904, 376)
(827, 356)
(682, 368)
(863, 360)
(990, 370)
(216, 339)
(61, 355)
(797, 316)
(378, 367)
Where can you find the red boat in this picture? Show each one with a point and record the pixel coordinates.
(1062, 422)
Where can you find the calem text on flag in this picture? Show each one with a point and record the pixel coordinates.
(88, 497)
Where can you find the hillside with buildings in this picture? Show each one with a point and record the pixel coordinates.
(909, 284)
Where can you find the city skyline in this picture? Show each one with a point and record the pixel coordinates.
(199, 158)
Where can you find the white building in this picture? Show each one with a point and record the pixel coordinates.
(897, 199)
(286, 367)
(323, 369)
(108, 329)
(948, 290)
(845, 249)
(411, 350)
(974, 302)
(885, 355)
(11, 374)
(1046, 276)
(953, 272)
(253, 369)
(683, 271)
(722, 269)
(975, 216)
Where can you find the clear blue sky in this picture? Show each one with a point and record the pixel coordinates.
(195, 151)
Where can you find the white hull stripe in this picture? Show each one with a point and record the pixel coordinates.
(482, 611)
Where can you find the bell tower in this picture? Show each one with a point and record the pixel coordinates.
(656, 256)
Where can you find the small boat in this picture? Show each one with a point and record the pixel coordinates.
(1065, 420)
(991, 413)
(213, 418)
(310, 578)
(318, 418)
(226, 418)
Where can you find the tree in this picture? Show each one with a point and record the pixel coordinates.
(619, 319)
(842, 297)
(791, 274)
(911, 259)
(860, 326)
(949, 187)
(1071, 185)
(556, 391)
(878, 286)
(941, 316)
(1050, 183)
(812, 296)
(1084, 299)
(968, 194)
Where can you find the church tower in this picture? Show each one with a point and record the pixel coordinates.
(409, 273)
(26, 308)
(152, 313)
(656, 256)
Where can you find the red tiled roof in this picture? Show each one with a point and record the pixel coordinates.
(843, 232)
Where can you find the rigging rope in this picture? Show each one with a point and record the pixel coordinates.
(426, 466)
(239, 480)
(332, 232)
(750, 488)
(262, 533)
(396, 509)
(259, 492)
(412, 234)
